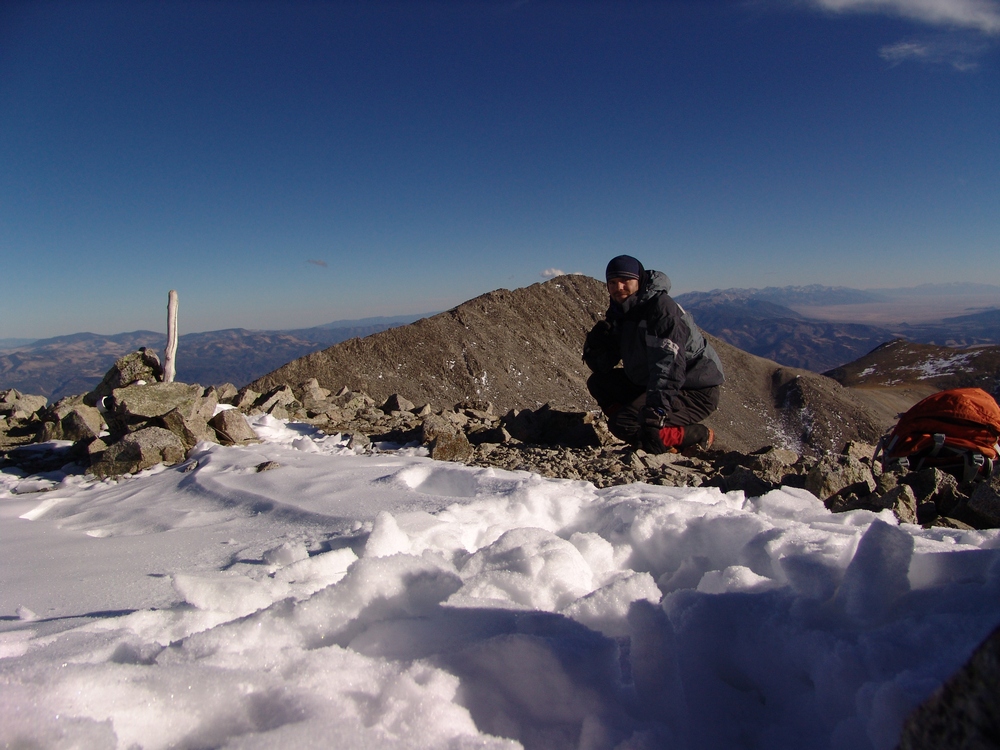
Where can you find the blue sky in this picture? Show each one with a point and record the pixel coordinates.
(285, 164)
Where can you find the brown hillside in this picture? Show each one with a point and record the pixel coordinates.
(521, 349)
(900, 363)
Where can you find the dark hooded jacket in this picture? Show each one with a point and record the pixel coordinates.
(656, 341)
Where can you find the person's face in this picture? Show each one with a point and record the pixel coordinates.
(621, 289)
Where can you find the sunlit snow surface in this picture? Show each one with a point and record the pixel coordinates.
(356, 601)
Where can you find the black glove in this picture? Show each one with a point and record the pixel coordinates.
(651, 419)
(652, 416)
(598, 344)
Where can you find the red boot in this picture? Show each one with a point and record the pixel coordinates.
(690, 436)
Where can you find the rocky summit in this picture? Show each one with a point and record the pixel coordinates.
(522, 349)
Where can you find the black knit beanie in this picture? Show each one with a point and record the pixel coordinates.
(624, 267)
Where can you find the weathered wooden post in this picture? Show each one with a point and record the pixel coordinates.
(169, 356)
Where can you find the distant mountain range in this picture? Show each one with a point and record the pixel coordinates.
(763, 321)
(810, 327)
(66, 365)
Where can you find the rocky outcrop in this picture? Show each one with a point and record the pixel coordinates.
(19, 418)
(964, 712)
(554, 441)
(142, 366)
(127, 424)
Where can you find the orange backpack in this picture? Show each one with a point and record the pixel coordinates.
(954, 430)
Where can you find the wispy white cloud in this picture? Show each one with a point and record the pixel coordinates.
(551, 273)
(980, 15)
(959, 54)
(320, 263)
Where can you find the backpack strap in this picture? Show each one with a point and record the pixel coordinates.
(939, 438)
(974, 463)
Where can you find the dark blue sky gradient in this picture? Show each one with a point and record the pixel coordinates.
(427, 152)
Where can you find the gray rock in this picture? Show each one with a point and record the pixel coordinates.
(839, 475)
(554, 426)
(95, 448)
(137, 451)
(81, 423)
(742, 478)
(451, 448)
(280, 396)
(445, 441)
(225, 393)
(356, 440)
(245, 399)
(134, 406)
(861, 451)
(946, 522)
(395, 402)
(964, 712)
(20, 406)
(313, 389)
(772, 465)
(984, 503)
(478, 405)
(928, 483)
(190, 428)
(347, 399)
(902, 502)
(433, 426)
(232, 428)
(485, 435)
(142, 365)
(71, 419)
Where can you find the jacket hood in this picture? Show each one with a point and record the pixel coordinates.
(652, 284)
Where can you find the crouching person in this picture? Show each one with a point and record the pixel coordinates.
(670, 376)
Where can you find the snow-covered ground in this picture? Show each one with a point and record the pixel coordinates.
(388, 600)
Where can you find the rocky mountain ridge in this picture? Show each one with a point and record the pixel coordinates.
(828, 327)
(521, 349)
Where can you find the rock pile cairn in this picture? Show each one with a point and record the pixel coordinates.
(133, 420)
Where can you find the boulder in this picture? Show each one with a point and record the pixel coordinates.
(445, 441)
(71, 419)
(964, 712)
(742, 478)
(348, 400)
(861, 451)
(554, 426)
(984, 504)
(395, 402)
(927, 483)
(232, 428)
(135, 405)
(245, 399)
(314, 398)
(837, 477)
(142, 366)
(282, 396)
(225, 393)
(137, 451)
(772, 464)
(902, 502)
(81, 423)
(190, 428)
(477, 408)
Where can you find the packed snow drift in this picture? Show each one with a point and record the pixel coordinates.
(297, 594)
